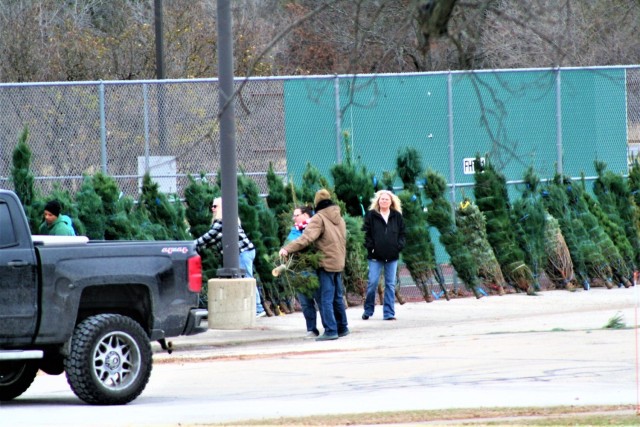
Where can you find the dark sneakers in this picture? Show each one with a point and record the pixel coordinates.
(365, 317)
(344, 333)
(325, 337)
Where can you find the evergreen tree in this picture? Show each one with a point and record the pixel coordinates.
(23, 180)
(356, 269)
(120, 221)
(90, 210)
(418, 253)
(492, 198)
(562, 199)
(198, 197)
(440, 216)
(530, 216)
(166, 215)
(262, 235)
(613, 267)
(618, 237)
(558, 267)
(409, 167)
(312, 181)
(618, 202)
(352, 184)
(471, 225)
(279, 202)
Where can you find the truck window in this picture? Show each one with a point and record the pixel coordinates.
(7, 234)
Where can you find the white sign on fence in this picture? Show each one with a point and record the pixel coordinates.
(162, 170)
(467, 165)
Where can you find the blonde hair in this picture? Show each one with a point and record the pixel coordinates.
(218, 215)
(395, 201)
(218, 202)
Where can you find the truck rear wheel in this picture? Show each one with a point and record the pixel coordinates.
(109, 361)
(15, 377)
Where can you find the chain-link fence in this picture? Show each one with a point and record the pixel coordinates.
(556, 120)
(553, 119)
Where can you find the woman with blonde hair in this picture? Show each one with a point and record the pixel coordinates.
(384, 239)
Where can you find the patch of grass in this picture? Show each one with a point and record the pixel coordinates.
(598, 415)
(616, 322)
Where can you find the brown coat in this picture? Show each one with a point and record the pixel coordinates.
(328, 230)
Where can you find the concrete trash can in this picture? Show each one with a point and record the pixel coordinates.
(232, 303)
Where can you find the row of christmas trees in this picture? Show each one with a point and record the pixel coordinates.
(556, 229)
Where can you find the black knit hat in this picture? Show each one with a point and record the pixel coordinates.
(53, 207)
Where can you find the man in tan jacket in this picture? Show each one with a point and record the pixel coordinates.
(329, 232)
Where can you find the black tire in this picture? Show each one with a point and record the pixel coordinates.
(109, 361)
(16, 377)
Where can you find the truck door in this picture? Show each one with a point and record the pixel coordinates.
(18, 280)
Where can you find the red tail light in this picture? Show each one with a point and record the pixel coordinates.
(195, 273)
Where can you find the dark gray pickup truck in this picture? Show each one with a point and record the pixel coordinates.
(89, 308)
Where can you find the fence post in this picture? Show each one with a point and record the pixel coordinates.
(103, 129)
(145, 109)
(558, 122)
(336, 95)
(452, 172)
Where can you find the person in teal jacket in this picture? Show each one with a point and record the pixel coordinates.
(55, 224)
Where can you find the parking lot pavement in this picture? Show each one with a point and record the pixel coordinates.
(557, 310)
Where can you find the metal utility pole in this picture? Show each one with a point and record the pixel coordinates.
(226, 116)
(160, 75)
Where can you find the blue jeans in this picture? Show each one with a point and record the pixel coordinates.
(246, 263)
(308, 305)
(332, 309)
(375, 268)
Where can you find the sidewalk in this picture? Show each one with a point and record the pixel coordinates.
(462, 317)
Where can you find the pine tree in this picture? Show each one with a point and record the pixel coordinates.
(23, 180)
(312, 181)
(264, 236)
(529, 217)
(613, 266)
(556, 201)
(120, 221)
(280, 202)
(492, 198)
(166, 215)
(90, 210)
(352, 184)
(440, 215)
(356, 269)
(562, 199)
(471, 225)
(418, 253)
(558, 267)
(198, 197)
(618, 237)
(618, 202)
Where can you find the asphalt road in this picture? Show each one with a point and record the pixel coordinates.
(515, 350)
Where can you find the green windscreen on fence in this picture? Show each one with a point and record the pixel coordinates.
(510, 117)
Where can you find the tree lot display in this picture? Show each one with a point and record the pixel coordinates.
(581, 239)
(492, 199)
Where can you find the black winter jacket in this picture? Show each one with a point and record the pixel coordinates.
(383, 240)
